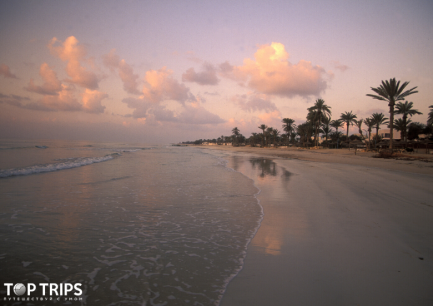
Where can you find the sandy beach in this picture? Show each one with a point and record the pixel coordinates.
(338, 229)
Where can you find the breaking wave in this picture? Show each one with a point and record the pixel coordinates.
(67, 164)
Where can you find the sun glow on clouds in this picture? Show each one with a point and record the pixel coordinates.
(160, 87)
(6, 72)
(165, 100)
(271, 73)
(73, 54)
(126, 74)
(51, 85)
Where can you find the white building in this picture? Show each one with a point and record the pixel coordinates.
(385, 134)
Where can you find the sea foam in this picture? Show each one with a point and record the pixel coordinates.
(70, 163)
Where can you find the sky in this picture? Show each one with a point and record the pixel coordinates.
(170, 71)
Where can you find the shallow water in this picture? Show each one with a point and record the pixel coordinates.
(148, 225)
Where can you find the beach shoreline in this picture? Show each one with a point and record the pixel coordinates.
(338, 229)
(414, 163)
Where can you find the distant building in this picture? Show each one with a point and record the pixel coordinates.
(385, 134)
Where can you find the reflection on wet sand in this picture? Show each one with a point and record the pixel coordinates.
(273, 181)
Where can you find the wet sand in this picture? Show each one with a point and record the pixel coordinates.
(337, 230)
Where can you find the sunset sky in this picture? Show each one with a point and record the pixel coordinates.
(170, 71)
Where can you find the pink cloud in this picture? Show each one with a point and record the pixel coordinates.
(63, 101)
(139, 106)
(51, 84)
(206, 77)
(22, 102)
(255, 102)
(196, 114)
(192, 113)
(6, 72)
(162, 86)
(73, 53)
(271, 73)
(126, 74)
(92, 101)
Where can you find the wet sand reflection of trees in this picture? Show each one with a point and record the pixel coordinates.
(272, 180)
(266, 166)
(269, 167)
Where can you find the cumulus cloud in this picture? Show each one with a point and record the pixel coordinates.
(271, 119)
(73, 53)
(162, 86)
(22, 102)
(6, 72)
(63, 101)
(206, 77)
(252, 103)
(51, 84)
(196, 114)
(271, 73)
(139, 106)
(191, 113)
(92, 101)
(126, 73)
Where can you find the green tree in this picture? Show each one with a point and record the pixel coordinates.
(275, 136)
(415, 128)
(378, 119)
(263, 127)
(269, 132)
(405, 109)
(349, 119)
(326, 127)
(391, 92)
(317, 113)
(358, 123)
(370, 124)
(289, 126)
(235, 137)
(305, 130)
(401, 126)
(430, 116)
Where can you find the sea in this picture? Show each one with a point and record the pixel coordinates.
(131, 224)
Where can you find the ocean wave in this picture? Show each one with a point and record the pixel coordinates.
(68, 164)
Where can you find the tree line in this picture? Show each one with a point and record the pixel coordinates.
(318, 122)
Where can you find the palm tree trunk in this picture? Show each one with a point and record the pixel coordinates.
(391, 124)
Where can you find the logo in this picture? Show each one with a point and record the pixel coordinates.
(19, 289)
(50, 291)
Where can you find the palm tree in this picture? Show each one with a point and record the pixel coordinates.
(336, 124)
(269, 131)
(370, 124)
(289, 126)
(263, 127)
(430, 116)
(391, 91)
(405, 109)
(326, 127)
(358, 123)
(415, 128)
(336, 135)
(305, 130)
(236, 134)
(275, 134)
(378, 119)
(401, 126)
(253, 139)
(318, 112)
(349, 119)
